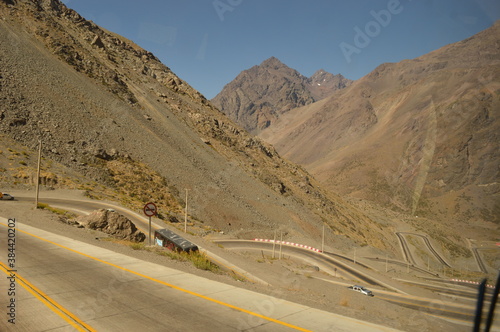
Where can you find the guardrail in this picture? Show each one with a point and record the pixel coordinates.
(471, 282)
(289, 244)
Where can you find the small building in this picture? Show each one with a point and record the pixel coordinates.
(168, 239)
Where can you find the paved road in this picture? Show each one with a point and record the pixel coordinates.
(86, 206)
(428, 244)
(461, 312)
(403, 264)
(329, 264)
(479, 260)
(63, 284)
(82, 206)
(405, 248)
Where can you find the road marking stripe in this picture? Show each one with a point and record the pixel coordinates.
(49, 302)
(171, 285)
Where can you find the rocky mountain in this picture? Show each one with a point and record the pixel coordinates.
(116, 122)
(322, 84)
(420, 136)
(260, 95)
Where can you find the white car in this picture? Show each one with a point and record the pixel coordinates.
(6, 197)
(362, 290)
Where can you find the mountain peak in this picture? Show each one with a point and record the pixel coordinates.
(272, 62)
(261, 94)
(323, 83)
(321, 75)
(320, 72)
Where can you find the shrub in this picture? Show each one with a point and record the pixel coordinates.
(60, 212)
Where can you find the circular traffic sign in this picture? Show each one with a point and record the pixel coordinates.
(150, 209)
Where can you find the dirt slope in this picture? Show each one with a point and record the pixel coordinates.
(419, 136)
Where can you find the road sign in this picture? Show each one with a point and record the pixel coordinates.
(150, 209)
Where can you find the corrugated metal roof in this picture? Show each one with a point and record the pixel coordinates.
(179, 241)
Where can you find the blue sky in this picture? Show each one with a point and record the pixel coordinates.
(209, 42)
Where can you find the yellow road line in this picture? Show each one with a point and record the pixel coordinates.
(171, 285)
(48, 301)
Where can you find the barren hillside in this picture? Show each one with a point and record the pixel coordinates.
(115, 121)
(419, 136)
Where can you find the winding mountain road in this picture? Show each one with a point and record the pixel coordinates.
(407, 252)
(65, 284)
(429, 247)
(479, 260)
(405, 249)
(329, 262)
(324, 259)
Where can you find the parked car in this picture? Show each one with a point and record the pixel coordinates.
(362, 290)
(6, 197)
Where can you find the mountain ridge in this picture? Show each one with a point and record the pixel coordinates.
(418, 135)
(261, 94)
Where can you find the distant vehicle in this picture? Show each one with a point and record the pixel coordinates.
(362, 290)
(6, 197)
(168, 239)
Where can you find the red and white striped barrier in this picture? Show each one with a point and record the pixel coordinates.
(471, 282)
(289, 244)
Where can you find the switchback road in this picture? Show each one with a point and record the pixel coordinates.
(63, 283)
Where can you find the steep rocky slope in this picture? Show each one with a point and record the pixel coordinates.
(420, 136)
(115, 121)
(260, 95)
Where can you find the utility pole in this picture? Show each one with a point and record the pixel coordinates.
(38, 173)
(186, 213)
(274, 244)
(281, 244)
(354, 256)
(149, 228)
(323, 240)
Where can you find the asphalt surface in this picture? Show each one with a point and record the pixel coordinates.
(328, 263)
(63, 285)
(427, 243)
(460, 312)
(142, 223)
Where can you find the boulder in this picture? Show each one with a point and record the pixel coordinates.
(113, 223)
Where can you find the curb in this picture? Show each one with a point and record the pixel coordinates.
(470, 282)
(289, 243)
